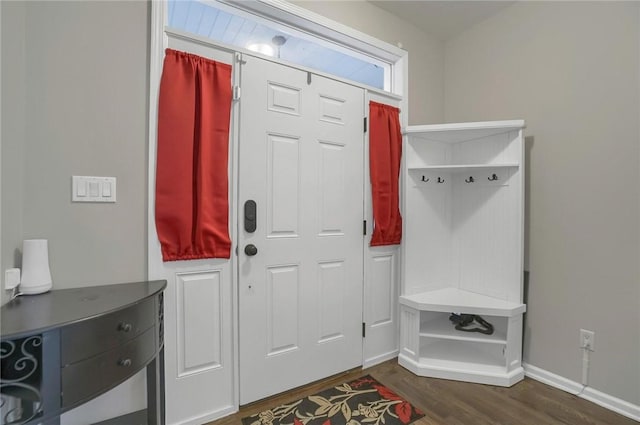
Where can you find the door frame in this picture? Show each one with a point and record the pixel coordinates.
(299, 18)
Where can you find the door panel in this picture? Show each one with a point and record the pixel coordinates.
(382, 280)
(283, 185)
(301, 150)
(333, 188)
(283, 99)
(198, 295)
(199, 312)
(283, 284)
(331, 282)
(383, 299)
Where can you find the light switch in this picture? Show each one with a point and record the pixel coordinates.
(106, 189)
(93, 189)
(81, 189)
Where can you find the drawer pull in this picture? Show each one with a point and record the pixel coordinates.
(124, 327)
(124, 362)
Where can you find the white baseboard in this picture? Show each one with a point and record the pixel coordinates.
(379, 359)
(211, 416)
(607, 401)
(612, 403)
(552, 379)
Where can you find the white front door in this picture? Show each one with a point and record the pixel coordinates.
(301, 161)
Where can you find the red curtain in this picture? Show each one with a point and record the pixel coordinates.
(385, 152)
(192, 200)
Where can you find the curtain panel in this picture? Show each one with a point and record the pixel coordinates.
(385, 153)
(192, 185)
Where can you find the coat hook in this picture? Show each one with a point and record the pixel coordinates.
(469, 180)
(424, 179)
(440, 180)
(493, 177)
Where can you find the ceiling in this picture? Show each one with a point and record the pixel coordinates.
(443, 19)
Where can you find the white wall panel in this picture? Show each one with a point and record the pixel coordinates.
(409, 338)
(485, 218)
(199, 321)
(431, 210)
(383, 297)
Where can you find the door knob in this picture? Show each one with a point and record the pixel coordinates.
(250, 250)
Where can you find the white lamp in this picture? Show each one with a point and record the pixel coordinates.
(36, 276)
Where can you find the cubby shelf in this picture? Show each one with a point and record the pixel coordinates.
(442, 328)
(444, 353)
(461, 168)
(462, 132)
(457, 300)
(463, 250)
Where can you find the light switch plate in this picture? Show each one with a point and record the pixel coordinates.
(93, 189)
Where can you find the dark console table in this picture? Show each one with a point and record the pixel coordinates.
(65, 347)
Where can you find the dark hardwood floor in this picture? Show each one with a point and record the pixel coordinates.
(459, 403)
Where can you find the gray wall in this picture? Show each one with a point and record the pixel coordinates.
(82, 111)
(74, 102)
(13, 130)
(426, 53)
(571, 71)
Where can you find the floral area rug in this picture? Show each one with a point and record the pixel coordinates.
(361, 402)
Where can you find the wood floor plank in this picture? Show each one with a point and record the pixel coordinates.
(447, 402)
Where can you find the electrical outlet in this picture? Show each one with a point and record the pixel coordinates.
(587, 340)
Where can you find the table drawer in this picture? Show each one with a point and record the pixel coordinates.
(86, 379)
(85, 339)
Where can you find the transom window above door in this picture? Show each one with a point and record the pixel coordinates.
(224, 24)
